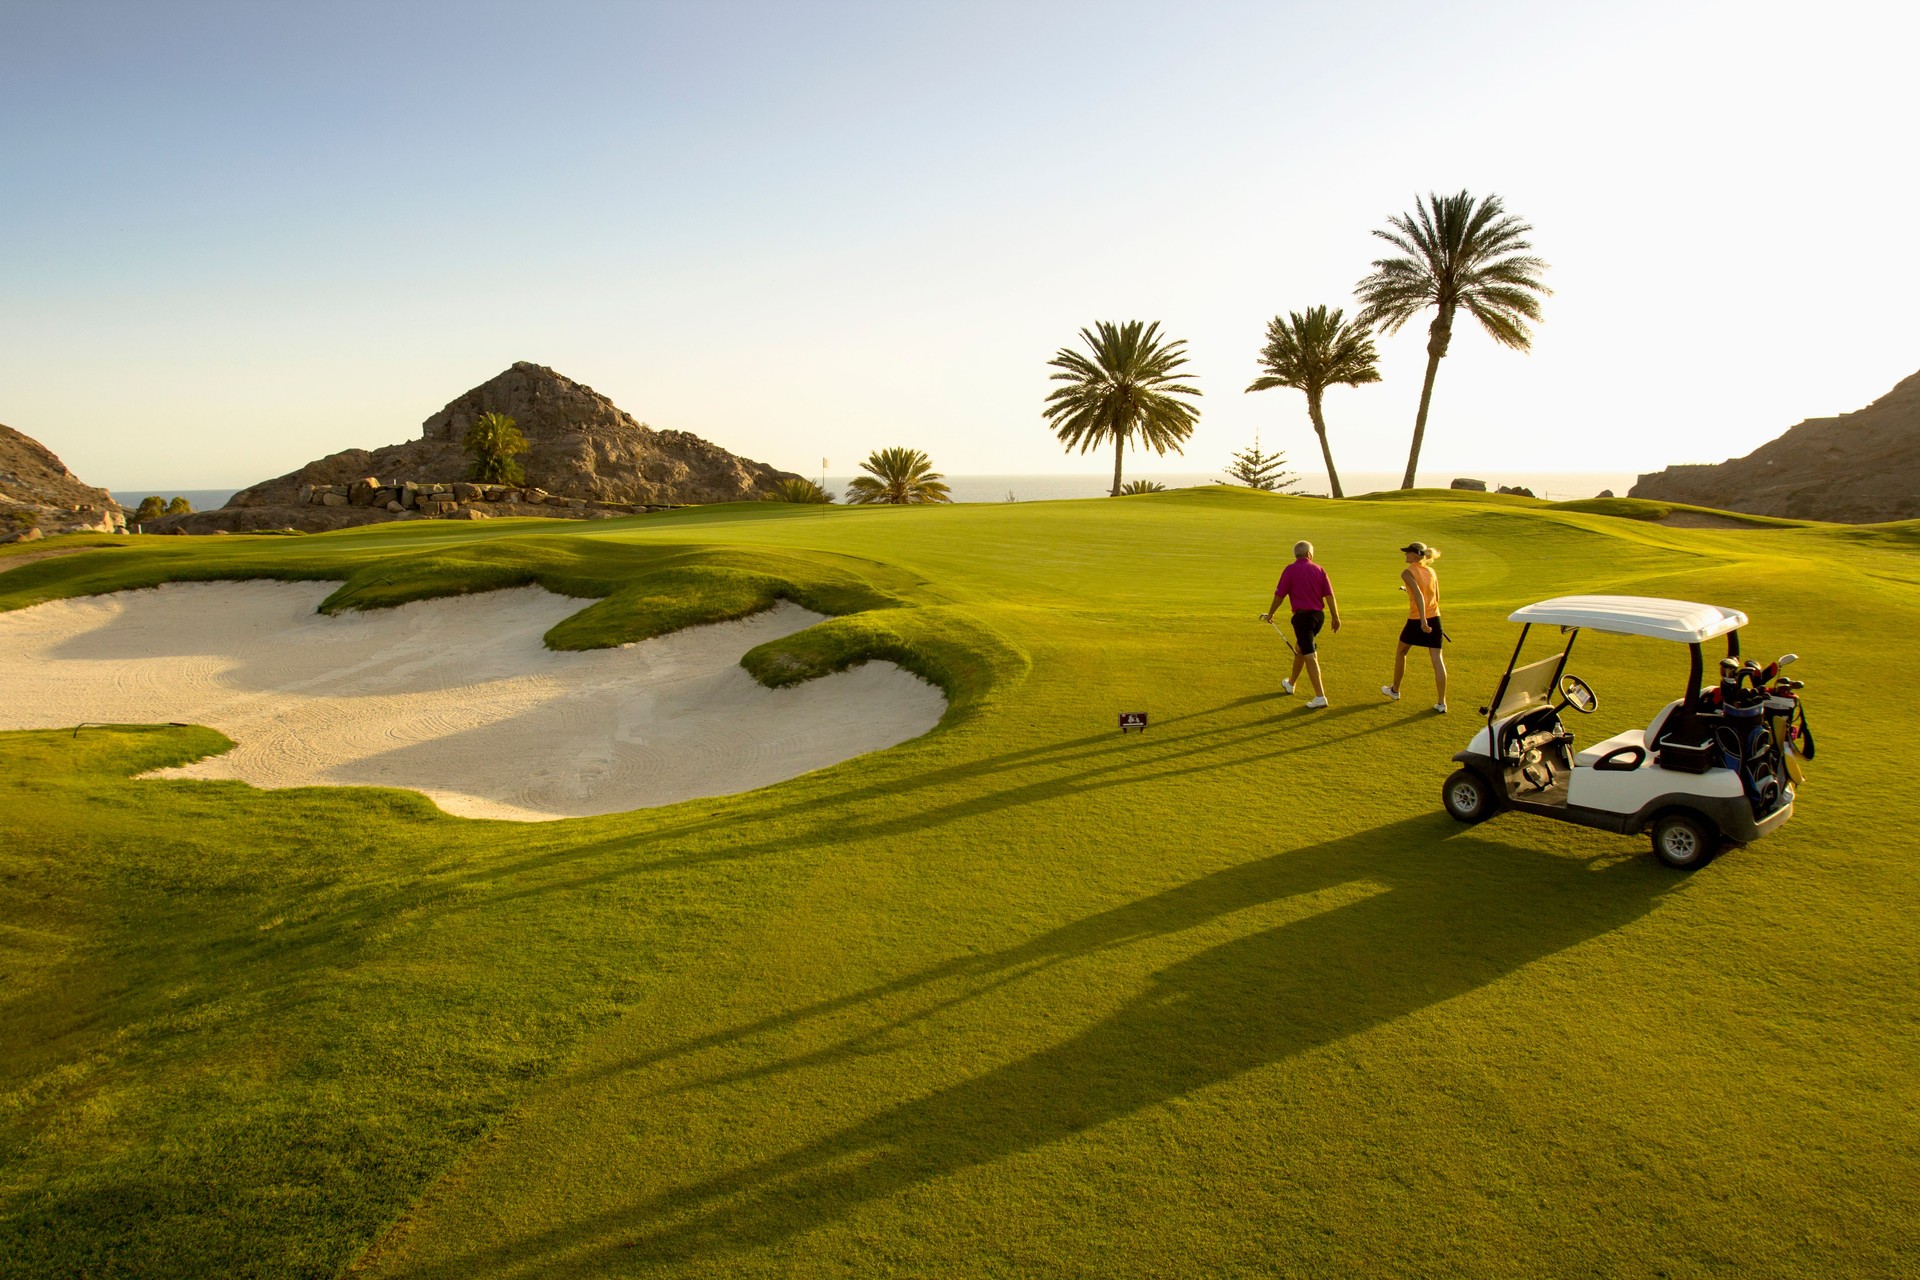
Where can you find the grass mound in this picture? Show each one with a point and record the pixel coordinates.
(1020, 997)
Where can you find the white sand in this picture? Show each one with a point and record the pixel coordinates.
(457, 698)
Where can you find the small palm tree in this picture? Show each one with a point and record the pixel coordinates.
(1310, 353)
(899, 477)
(1460, 252)
(494, 443)
(1127, 388)
(1141, 486)
(797, 490)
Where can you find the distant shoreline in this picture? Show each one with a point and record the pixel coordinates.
(1053, 487)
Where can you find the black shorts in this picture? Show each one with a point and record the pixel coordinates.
(1306, 625)
(1413, 635)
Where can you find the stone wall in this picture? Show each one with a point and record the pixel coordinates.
(461, 499)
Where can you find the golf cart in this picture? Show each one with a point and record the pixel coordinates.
(1718, 764)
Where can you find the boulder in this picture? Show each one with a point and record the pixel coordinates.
(1477, 486)
(332, 500)
(1604, 493)
(29, 534)
(395, 506)
(464, 492)
(1519, 491)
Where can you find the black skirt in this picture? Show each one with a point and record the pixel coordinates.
(1413, 635)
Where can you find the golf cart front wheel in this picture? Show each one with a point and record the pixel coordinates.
(1684, 841)
(1467, 797)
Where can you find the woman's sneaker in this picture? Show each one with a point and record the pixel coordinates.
(1392, 693)
(1286, 686)
(1316, 704)
(1441, 707)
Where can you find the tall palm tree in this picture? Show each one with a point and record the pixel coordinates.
(1459, 252)
(1312, 352)
(898, 477)
(1127, 388)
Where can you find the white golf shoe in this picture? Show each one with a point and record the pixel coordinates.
(1316, 704)
(1441, 707)
(1393, 694)
(1286, 686)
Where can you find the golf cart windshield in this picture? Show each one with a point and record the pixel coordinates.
(1529, 686)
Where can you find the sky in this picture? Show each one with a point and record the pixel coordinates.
(238, 236)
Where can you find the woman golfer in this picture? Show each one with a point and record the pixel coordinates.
(1305, 584)
(1422, 629)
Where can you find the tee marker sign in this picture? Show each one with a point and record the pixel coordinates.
(1133, 720)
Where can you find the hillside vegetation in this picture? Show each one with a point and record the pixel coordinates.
(1022, 997)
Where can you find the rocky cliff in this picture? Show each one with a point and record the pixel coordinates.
(38, 492)
(582, 446)
(1861, 467)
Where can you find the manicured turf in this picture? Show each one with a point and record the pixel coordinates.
(1020, 998)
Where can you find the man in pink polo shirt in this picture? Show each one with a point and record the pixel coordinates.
(1306, 586)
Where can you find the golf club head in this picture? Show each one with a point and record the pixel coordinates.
(1787, 660)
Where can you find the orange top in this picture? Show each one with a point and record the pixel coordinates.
(1429, 583)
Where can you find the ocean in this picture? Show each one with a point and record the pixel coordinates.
(202, 499)
(1558, 485)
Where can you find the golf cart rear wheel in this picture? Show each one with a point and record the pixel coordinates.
(1467, 797)
(1684, 841)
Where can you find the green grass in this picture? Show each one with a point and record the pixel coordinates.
(1019, 998)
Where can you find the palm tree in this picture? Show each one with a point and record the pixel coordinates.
(796, 489)
(1312, 352)
(1460, 252)
(1132, 487)
(899, 477)
(494, 443)
(1126, 389)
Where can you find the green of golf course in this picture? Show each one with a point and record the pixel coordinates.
(1021, 997)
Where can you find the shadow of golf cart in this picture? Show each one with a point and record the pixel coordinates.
(1716, 765)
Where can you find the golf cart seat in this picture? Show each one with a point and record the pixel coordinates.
(1626, 750)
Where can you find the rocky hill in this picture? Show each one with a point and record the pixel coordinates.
(1861, 467)
(582, 446)
(38, 492)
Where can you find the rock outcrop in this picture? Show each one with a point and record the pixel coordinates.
(38, 492)
(582, 446)
(1861, 467)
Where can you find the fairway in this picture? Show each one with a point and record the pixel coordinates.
(1020, 997)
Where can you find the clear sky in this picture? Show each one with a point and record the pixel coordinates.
(234, 237)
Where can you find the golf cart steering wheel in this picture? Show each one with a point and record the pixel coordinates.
(1579, 695)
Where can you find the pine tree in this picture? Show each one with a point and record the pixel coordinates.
(1257, 469)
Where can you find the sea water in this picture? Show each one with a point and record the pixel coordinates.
(1557, 485)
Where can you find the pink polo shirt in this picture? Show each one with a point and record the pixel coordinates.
(1305, 585)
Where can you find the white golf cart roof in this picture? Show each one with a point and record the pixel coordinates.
(1679, 620)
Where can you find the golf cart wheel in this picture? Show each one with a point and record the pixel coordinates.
(1467, 797)
(1684, 841)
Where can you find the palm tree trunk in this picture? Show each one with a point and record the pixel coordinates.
(1119, 444)
(1326, 450)
(1440, 333)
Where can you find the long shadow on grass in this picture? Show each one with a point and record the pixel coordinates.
(1230, 746)
(1443, 912)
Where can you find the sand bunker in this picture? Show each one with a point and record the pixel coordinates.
(457, 698)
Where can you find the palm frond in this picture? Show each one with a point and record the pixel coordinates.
(897, 477)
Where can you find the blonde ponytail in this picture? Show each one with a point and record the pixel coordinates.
(1429, 555)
